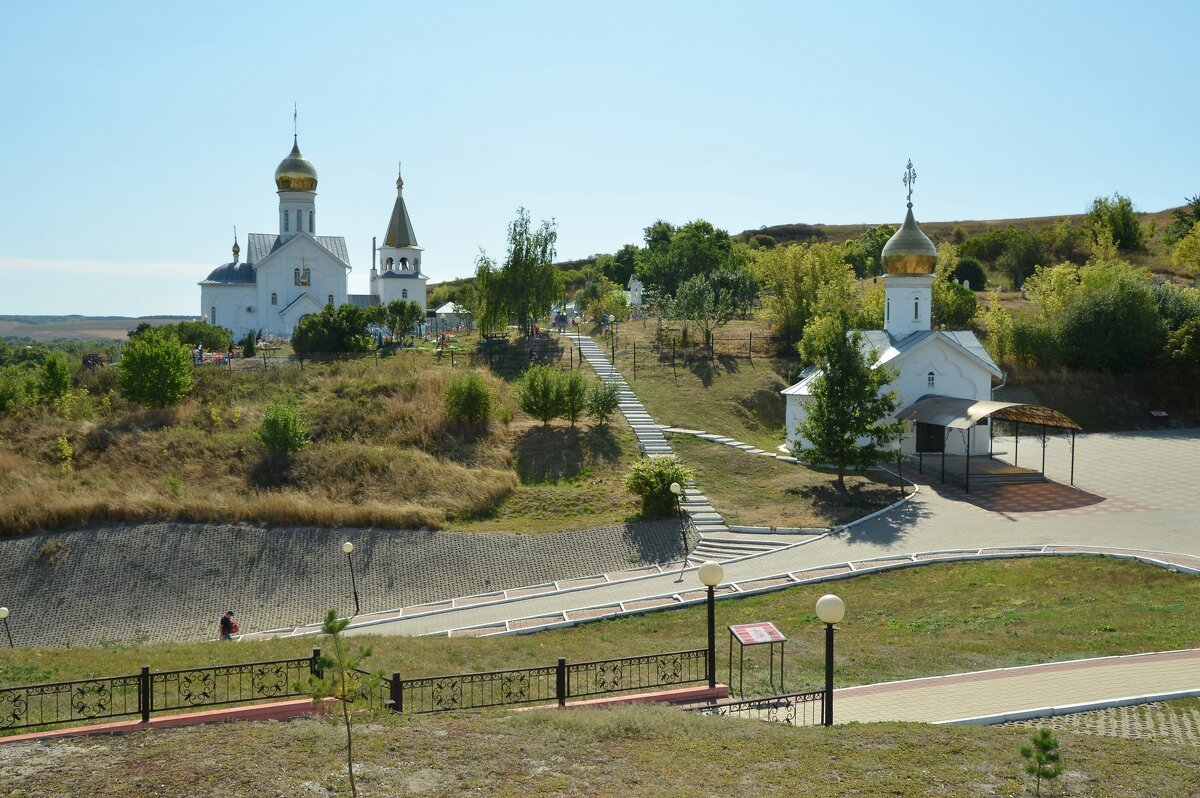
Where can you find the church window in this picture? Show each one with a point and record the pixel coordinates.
(389, 264)
(916, 308)
(296, 277)
(212, 315)
(274, 299)
(887, 310)
(286, 214)
(416, 264)
(305, 278)
(312, 227)
(404, 294)
(330, 300)
(930, 379)
(404, 264)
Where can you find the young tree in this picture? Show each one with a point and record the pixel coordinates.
(1041, 757)
(282, 430)
(154, 370)
(602, 401)
(541, 393)
(1117, 215)
(846, 423)
(651, 478)
(1186, 254)
(574, 395)
(248, 346)
(56, 378)
(340, 677)
(793, 275)
(703, 300)
(468, 399)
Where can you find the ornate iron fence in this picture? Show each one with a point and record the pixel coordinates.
(637, 673)
(544, 684)
(227, 684)
(795, 709)
(147, 692)
(70, 702)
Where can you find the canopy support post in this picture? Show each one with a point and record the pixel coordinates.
(945, 435)
(1043, 450)
(1072, 458)
(968, 459)
(1016, 441)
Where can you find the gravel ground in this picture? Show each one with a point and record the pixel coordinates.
(173, 581)
(1175, 722)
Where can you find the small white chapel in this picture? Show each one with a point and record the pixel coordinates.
(944, 377)
(291, 274)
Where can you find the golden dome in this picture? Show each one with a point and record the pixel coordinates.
(295, 172)
(909, 251)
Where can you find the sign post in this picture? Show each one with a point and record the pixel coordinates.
(755, 634)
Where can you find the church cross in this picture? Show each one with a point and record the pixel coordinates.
(910, 177)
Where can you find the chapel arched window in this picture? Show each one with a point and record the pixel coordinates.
(286, 223)
(916, 309)
(296, 277)
(929, 379)
(274, 299)
(312, 224)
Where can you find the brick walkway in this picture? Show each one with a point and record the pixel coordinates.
(1040, 689)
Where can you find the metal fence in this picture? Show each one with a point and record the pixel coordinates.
(795, 709)
(148, 692)
(142, 694)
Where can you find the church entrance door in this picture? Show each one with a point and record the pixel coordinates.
(930, 437)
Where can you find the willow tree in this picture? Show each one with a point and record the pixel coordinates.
(527, 284)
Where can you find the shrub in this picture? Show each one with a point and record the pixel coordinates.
(14, 389)
(248, 345)
(574, 395)
(56, 378)
(651, 478)
(541, 393)
(282, 430)
(468, 399)
(154, 370)
(971, 270)
(341, 330)
(602, 402)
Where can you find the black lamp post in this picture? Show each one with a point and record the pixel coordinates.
(677, 490)
(711, 573)
(612, 330)
(830, 609)
(4, 615)
(348, 547)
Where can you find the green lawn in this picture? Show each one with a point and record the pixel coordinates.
(628, 752)
(925, 621)
(761, 491)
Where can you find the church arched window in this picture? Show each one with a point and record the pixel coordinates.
(404, 264)
(329, 301)
(416, 264)
(274, 299)
(312, 225)
(286, 223)
(389, 264)
(929, 379)
(212, 315)
(916, 308)
(296, 277)
(404, 294)
(887, 310)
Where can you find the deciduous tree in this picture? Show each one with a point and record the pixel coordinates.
(155, 370)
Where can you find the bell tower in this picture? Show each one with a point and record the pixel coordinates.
(909, 260)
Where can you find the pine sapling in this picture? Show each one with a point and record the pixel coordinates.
(1041, 757)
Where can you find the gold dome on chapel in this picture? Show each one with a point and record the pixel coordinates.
(909, 250)
(295, 172)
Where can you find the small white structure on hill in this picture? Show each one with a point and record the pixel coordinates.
(930, 363)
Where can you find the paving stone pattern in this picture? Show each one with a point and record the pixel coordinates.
(1160, 722)
(173, 581)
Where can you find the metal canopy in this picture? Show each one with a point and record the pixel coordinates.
(956, 413)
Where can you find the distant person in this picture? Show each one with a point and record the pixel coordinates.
(229, 626)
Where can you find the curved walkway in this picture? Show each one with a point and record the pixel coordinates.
(1136, 499)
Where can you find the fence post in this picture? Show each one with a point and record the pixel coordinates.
(750, 349)
(314, 666)
(397, 694)
(560, 682)
(144, 699)
(635, 360)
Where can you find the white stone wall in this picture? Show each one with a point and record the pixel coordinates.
(230, 302)
(908, 306)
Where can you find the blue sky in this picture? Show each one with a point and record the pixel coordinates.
(136, 135)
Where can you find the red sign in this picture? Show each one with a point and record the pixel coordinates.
(749, 634)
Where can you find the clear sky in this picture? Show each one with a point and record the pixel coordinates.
(134, 136)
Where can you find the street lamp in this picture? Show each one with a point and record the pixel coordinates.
(830, 609)
(4, 615)
(612, 330)
(677, 490)
(348, 547)
(711, 573)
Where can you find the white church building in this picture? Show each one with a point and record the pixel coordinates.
(944, 377)
(294, 273)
